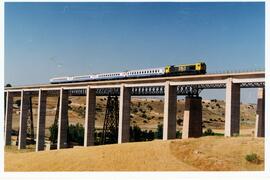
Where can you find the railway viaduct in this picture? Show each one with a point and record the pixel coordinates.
(169, 87)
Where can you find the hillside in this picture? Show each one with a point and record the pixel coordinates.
(145, 113)
(200, 154)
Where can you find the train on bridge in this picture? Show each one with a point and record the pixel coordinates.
(171, 70)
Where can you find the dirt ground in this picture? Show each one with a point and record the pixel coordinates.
(195, 154)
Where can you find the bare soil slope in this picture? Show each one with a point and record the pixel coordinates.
(206, 153)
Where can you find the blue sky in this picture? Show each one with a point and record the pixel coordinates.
(44, 40)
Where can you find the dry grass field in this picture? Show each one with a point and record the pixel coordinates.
(195, 154)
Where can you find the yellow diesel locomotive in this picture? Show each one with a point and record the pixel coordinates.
(185, 69)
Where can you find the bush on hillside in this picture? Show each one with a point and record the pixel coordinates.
(76, 133)
(253, 158)
(208, 132)
(53, 132)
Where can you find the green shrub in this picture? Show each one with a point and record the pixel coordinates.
(159, 133)
(208, 132)
(134, 110)
(151, 135)
(53, 132)
(178, 134)
(136, 134)
(149, 107)
(76, 133)
(179, 121)
(144, 116)
(253, 158)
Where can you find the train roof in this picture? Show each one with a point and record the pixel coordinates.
(146, 69)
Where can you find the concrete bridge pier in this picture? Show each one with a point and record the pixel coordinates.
(192, 124)
(41, 118)
(90, 113)
(63, 120)
(8, 117)
(124, 114)
(23, 119)
(260, 114)
(232, 108)
(170, 108)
